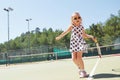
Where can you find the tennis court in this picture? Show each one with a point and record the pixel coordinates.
(107, 68)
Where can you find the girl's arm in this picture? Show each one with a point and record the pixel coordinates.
(89, 36)
(64, 33)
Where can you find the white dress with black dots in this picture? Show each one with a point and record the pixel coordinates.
(77, 43)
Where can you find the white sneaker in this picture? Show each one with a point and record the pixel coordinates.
(83, 74)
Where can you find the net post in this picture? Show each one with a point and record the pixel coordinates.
(56, 56)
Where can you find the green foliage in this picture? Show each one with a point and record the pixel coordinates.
(106, 33)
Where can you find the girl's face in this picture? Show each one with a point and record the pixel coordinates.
(76, 19)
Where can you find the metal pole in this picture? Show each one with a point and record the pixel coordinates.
(8, 45)
(28, 37)
(8, 32)
(28, 34)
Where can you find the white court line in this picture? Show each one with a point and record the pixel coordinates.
(93, 70)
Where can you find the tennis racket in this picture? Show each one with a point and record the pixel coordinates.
(99, 50)
(98, 47)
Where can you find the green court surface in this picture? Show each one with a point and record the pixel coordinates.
(106, 68)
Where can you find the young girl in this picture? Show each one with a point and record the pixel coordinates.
(77, 42)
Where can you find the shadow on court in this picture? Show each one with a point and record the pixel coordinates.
(106, 75)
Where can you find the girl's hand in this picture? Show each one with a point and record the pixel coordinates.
(95, 39)
(58, 38)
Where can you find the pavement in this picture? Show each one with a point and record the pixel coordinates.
(105, 68)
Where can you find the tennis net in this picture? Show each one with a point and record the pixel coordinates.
(20, 56)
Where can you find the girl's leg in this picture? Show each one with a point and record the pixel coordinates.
(77, 59)
(81, 64)
(74, 58)
(80, 61)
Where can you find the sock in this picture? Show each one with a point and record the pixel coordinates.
(81, 69)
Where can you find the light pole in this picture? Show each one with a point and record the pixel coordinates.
(28, 33)
(8, 10)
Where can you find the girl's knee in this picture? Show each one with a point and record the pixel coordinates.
(79, 55)
(79, 59)
(74, 59)
(74, 56)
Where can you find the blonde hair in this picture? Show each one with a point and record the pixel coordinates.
(75, 13)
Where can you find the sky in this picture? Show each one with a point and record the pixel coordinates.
(53, 14)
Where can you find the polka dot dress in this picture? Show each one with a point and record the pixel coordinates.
(77, 43)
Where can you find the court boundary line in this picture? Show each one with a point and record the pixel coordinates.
(90, 77)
